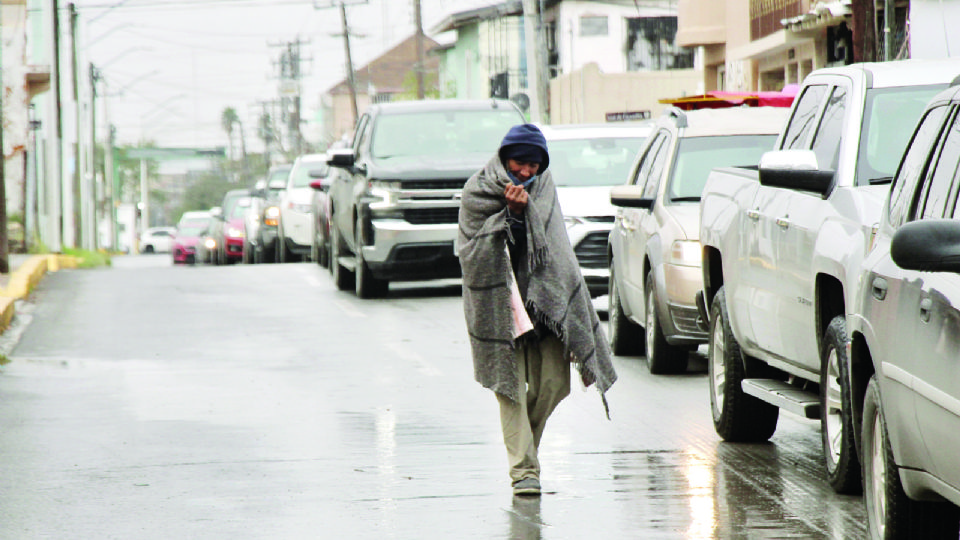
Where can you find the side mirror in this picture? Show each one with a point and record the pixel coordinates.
(217, 212)
(929, 245)
(318, 173)
(277, 184)
(342, 158)
(630, 197)
(795, 169)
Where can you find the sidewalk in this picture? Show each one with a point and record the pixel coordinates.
(25, 272)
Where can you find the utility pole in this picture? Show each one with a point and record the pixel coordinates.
(53, 186)
(290, 76)
(351, 81)
(4, 239)
(91, 197)
(531, 39)
(417, 15)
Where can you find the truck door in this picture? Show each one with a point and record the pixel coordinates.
(799, 227)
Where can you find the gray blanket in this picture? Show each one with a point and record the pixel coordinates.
(556, 296)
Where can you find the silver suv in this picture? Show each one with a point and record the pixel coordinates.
(654, 248)
(905, 334)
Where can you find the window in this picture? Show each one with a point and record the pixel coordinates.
(696, 156)
(940, 183)
(913, 164)
(804, 115)
(647, 161)
(826, 143)
(601, 161)
(656, 169)
(593, 25)
(455, 132)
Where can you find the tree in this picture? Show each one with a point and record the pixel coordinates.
(227, 119)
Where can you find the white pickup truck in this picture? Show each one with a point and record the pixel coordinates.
(782, 246)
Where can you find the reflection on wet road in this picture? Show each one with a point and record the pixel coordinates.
(259, 402)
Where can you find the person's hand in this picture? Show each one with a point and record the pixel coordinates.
(516, 198)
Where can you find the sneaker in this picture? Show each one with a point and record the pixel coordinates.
(527, 486)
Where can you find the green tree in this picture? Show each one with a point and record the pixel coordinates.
(228, 118)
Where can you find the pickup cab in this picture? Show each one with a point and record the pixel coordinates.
(782, 247)
(395, 192)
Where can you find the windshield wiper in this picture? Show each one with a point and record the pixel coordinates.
(880, 181)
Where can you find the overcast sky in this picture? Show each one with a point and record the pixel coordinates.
(179, 63)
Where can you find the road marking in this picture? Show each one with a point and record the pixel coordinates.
(422, 365)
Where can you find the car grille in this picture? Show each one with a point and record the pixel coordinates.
(456, 183)
(431, 216)
(591, 252)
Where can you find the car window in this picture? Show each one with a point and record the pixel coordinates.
(640, 175)
(361, 134)
(804, 115)
(826, 143)
(696, 156)
(300, 176)
(592, 162)
(914, 162)
(398, 136)
(890, 115)
(939, 189)
(656, 169)
(279, 174)
(193, 227)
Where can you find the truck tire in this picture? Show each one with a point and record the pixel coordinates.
(626, 338)
(662, 357)
(367, 285)
(890, 513)
(836, 411)
(737, 416)
(342, 277)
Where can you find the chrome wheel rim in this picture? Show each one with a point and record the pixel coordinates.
(878, 478)
(833, 413)
(718, 373)
(649, 331)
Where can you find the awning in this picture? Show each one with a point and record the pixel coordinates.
(720, 100)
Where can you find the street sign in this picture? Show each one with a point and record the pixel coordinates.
(627, 116)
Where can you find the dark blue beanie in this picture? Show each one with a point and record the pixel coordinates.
(525, 142)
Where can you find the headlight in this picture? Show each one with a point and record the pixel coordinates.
(271, 215)
(572, 222)
(210, 243)
(387, 192)
(685, 253)
(234, 232)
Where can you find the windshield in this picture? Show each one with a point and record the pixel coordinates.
(193, 227)
(696, 156)
(441, 132)
(592, 162)
(890, 115)
(300, 177)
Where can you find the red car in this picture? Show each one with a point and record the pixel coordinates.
(232, 239)
(190, 229)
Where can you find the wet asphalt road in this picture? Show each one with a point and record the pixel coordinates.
(248, 402)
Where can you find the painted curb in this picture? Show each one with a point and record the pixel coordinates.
(25, 278)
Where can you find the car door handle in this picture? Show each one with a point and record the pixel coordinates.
(879, 288)
(783, 223)
(925, 306)
(754, 215)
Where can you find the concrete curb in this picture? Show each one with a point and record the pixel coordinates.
(25, 278)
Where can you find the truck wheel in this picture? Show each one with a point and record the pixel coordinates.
(662, 358)
(890, 513)
(626, 338)
(737, 416)
(342, 277)
(836, 411)
(283, 251)
(367, 286)
(318, 252)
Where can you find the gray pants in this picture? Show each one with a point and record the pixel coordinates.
(544, 382)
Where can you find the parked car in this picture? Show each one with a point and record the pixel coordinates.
(395, 195)
(190, 228)
(654, 245)
(782, 246)
(262, 217)
(157, 239)
(295, 233)
(229, 231)
(905, 340)
(208, 246)
(320, 209)
(586, 160)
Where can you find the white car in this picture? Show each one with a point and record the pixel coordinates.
(157, 239)
(586, 160)
(296, 228)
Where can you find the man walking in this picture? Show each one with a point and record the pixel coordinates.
(513, 240)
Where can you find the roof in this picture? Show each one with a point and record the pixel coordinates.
(387, 72)
(731, 121)
(563, 132)
(404, 107)
(901, 72)
(473, 16)
(719, 99)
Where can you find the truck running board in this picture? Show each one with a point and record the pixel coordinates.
(350, 263)
(784, 396)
